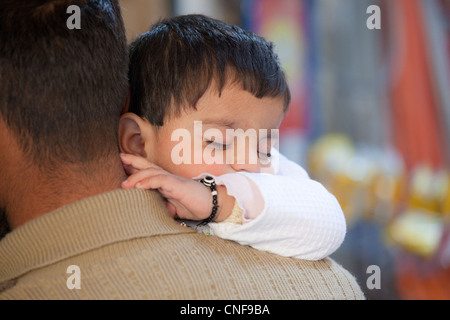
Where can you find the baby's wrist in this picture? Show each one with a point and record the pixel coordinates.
(226, 204)
(222, 202)
(236, 215)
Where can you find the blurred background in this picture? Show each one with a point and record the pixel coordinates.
(370, 119)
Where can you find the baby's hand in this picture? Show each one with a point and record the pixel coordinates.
(186, 198)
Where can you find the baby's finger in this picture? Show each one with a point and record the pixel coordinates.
(154, 182)
(139, 176)
(136, 162)
(129, 169)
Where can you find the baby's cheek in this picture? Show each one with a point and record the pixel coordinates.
(189, 169)
(213, 169)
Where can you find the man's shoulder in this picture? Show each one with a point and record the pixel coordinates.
(184, 266)
(289, 278)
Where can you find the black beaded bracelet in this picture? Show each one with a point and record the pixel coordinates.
(211, 184)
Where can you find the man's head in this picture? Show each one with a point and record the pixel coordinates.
(61, 90)
(194, 68)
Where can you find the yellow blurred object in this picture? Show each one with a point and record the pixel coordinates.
(417, 231)
(330, 154)
(373, 184)
(386, 194)
(327, 160)
(443, 192)
(446, 205)
(428, 188)
(367, 182)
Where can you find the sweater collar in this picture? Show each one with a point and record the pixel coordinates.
(83, 226)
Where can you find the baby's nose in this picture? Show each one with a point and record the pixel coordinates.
(247, 161)
(252, 168)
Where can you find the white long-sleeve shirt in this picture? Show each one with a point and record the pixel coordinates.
(284, 212)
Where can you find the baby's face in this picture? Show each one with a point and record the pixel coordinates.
(226, 134)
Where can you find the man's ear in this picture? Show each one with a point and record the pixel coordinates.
(132, 134)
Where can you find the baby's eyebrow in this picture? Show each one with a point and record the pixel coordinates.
(269, 134)
(220, 123)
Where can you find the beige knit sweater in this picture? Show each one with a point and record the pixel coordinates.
(127, 247)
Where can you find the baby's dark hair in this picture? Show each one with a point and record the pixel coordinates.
(174, 63)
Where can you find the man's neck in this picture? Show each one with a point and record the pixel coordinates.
(39, 194)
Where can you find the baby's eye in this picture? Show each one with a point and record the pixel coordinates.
(264, 156)
(217, 145)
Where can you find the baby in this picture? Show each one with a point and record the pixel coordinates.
(206, 102)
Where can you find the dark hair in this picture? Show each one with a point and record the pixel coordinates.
(177, 60)
(4, 226)
(62, 90)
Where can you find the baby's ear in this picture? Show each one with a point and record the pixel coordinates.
(131, 137)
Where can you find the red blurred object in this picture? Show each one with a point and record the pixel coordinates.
(418, 136)
(420, 279)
